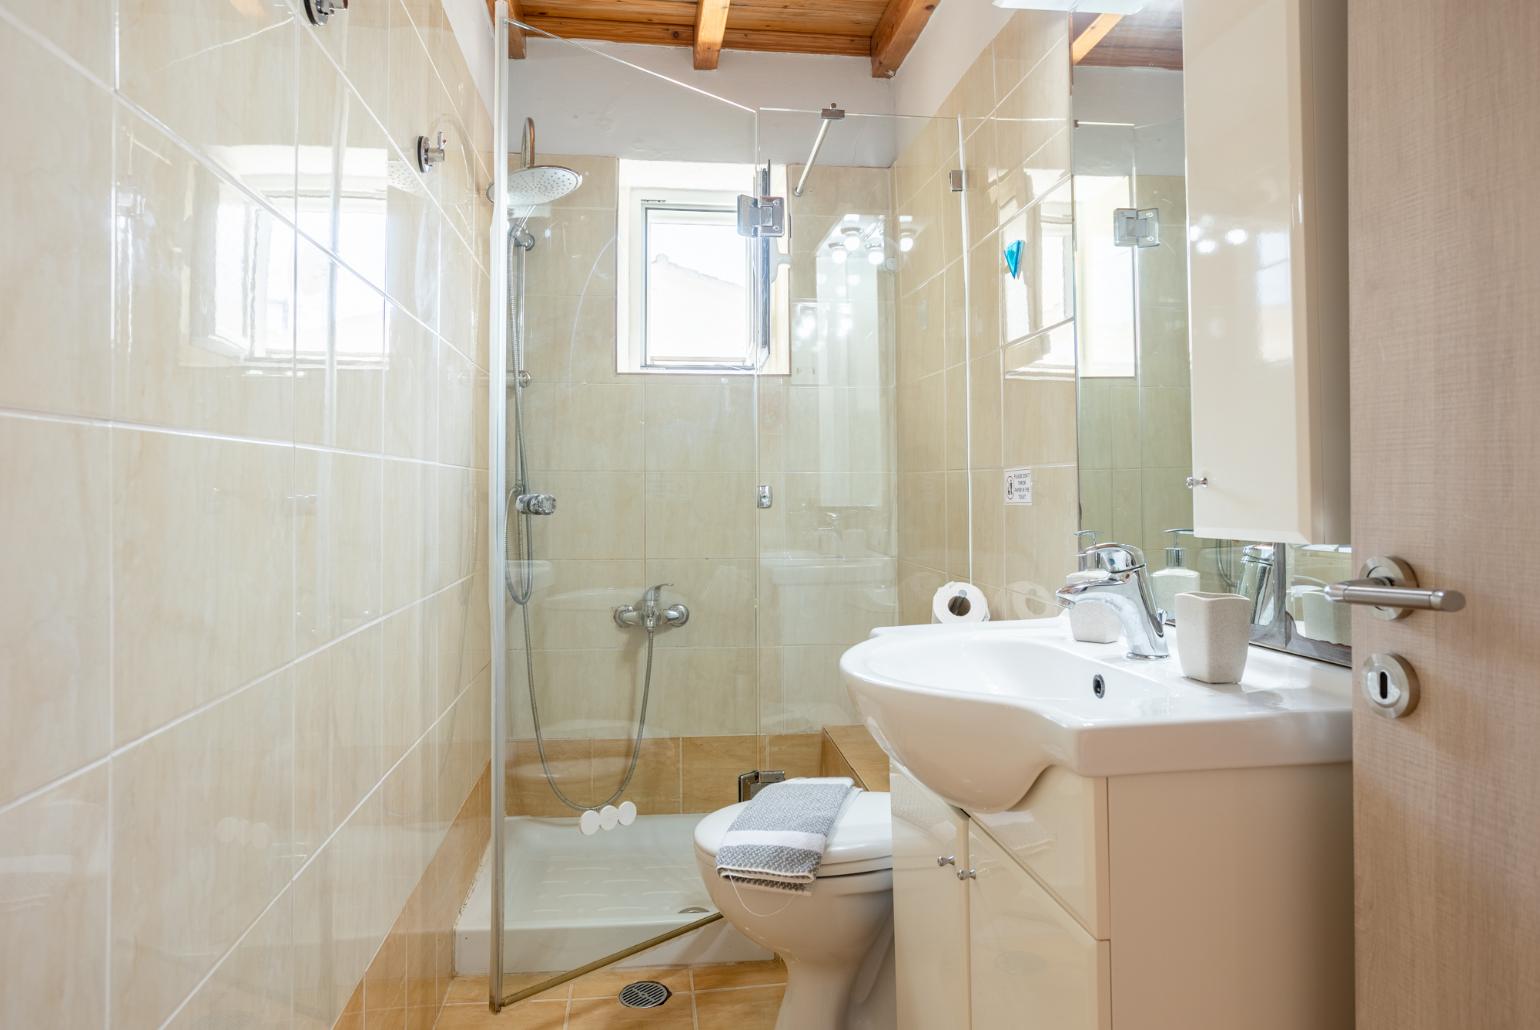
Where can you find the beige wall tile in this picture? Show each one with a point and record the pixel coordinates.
(575, 256)
(1026, 40)
(720, 593)
(710, 768)
(54, 618)
(571, 339)
(801, 688)
(922, 518)
(340, 355)
(700, 691)
(410, 520)
(571, 610)
(700, 515)
(202, 554)
(55, 333)
(583, 427)
(570, 762)
(654, 788)
(985, 383)
(222, 77)
(201, 824)
(410, 396)
(414, 226)
(795, 754)
(916, 587)
(409, 682)
(205, 296)
(338, 738)
(922, 444)
(338, 556)
(54, 857)
(599, 515)
(337, 920)
(254, 985)
(991, 540)
(705, 424)
(205, 534)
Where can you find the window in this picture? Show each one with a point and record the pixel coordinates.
(686, 297)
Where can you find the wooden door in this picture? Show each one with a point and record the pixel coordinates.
(1444, 236)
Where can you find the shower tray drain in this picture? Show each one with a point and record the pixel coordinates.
(644, 994)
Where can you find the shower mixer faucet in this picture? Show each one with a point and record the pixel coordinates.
(648, 615)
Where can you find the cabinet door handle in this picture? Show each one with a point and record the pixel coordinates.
(967, 874)
(1196, 482)
(945, 860)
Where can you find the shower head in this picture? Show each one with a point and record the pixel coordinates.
(541, 184)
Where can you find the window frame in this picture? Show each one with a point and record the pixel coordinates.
(633, 354)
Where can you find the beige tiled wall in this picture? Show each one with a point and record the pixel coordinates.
(656, 476)
(243, 643)
(1136, 442)
(983, 383)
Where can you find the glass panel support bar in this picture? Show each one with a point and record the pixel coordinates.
(635, 949)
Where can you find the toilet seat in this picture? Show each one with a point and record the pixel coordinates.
(862, 840)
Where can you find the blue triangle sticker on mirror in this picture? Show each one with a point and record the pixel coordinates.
(1013, 258)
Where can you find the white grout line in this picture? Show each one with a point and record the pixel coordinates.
(26, 415)
(316, 852)
(121, 749)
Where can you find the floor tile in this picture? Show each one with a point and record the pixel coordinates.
(609, 1014)
(606, 983)
(472, 990)
(527, 1015)
(739, 974)
(751, 1008)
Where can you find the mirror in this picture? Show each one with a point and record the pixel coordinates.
(1131, 343)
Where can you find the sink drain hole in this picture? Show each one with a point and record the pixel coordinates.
(644, 994)
(1098, 686)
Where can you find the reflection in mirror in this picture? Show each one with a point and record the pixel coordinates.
(1131, 341)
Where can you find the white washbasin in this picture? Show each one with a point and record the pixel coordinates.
(978, 712)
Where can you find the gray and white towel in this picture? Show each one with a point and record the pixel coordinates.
(778, 840)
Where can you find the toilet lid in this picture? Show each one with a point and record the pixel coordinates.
(862, 841)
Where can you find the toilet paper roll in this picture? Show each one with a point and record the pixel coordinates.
(959, 602)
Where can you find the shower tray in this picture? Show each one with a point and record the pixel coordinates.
(570, 899)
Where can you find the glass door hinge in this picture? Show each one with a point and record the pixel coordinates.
(1136, 227)
(761, 216)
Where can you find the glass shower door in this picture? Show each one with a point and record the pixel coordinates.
(630, 672)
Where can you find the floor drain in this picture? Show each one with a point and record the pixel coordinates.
(644, 994)
(693, 910)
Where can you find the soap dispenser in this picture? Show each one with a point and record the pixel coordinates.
(1176, 577)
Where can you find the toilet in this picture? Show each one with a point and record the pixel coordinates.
(837, 940)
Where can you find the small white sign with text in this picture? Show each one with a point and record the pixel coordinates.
(1018, 486)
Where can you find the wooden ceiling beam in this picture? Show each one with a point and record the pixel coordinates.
(1094, 33)
(516, 47)
(683, 35)
(710, 28)
(897, 31)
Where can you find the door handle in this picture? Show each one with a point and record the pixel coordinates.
(1389, 586)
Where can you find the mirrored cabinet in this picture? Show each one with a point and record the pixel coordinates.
(1211, 320)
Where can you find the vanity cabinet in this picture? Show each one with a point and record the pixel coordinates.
(1266, 135)
(1030, 963)
(1166, 901)
(930, 901)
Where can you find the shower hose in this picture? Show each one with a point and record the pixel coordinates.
(520, 584)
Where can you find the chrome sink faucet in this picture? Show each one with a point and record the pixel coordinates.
(648, 615)
(1126, 590)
